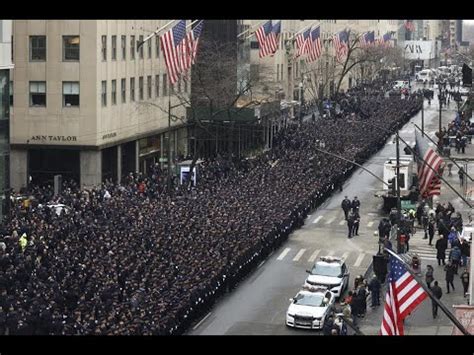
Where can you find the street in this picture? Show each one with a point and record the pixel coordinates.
(259, 304)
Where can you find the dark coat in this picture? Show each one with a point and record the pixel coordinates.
(441, 246)
(437, 292)
(450, 270)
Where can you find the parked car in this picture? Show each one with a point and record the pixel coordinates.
(310, 308)
(330, 272)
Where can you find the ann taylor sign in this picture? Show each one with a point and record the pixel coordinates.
(420, 50)
(57, 139)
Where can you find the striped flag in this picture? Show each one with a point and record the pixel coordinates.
(429, 183)
(264, 39)
(275, 37)
(193, 40)
(171, 45)
(341, 44)
(404, 294)
(367, 39)
(315, 45)
(302, 42)
(409, 25)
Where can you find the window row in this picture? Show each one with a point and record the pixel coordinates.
(152, 89)
(133, 47)
(70, 51)
(38, 93)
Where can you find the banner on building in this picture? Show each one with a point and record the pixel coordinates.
(420, 50)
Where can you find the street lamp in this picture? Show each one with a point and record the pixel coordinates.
(301, 100)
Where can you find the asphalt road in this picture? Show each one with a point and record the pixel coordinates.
(258, 305)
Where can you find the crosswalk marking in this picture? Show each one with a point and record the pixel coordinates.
(313, 256)
(370, 224)
(342, 222)
(345, 255)
(299, 255)
(330, 253)
(283, 254)
(359, 259)
(317, 219)
(330, 220)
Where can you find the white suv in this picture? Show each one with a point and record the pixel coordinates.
(330, 272)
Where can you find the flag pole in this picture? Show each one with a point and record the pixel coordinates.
(251, 35)
(192, 23)
(251, 27)
(430, 294)
(154, 34)
(436, 173)
(454, 161)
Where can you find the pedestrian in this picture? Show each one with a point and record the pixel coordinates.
(431, 230)
(455, 257)
(429, 278)
(356, 221)
(346, 206)
(350, 224)
(374, 288)
(465, 281)
(437, 292)
(441, 246)
(450, 270)
(461, 177)
(465, 252)
(355, 203)
(328, 325)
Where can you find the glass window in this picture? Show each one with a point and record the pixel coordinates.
(157, 85)
(104, 93)
(132, 89)
(11, 93)
(104, 47)
(124, 47)
(165, 84)
(132, 47)
(140, 88)
(37, 48)
(71, 48)
(5, 102)
(148, 84)
(157, 45)
(324, 269)
(149, 48)
(140, 40)
(124, 90)
(70, 93)
(38, 93)
(114, 92)
(114, 47)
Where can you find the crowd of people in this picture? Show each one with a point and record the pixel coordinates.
(131, 258)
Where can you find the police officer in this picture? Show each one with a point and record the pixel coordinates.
(346, 206)
(355, 203)
(350, 224)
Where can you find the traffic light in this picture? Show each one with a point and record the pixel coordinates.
(391, 185)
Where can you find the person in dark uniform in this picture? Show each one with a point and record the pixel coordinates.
(350, 224)
(356, 222)
(346, 206)
(355, 203)
(437, 292)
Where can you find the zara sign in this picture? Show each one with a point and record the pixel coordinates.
(420, 50)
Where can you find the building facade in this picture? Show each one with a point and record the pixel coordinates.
(90, 105)
(5, 67)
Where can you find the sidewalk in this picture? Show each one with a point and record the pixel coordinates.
(421, 321)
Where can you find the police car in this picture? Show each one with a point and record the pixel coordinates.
(309, 308)
(330, 272)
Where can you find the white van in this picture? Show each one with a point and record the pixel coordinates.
(424, 76)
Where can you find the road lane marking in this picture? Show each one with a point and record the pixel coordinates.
(359, 259)
(283, 254)
(317, 219)
(342, 222)
(202, 320)
(260, 265)
(299, 255)
(330, 253)
(330, 220)
(345, 255)
(313, 257)
(370, 224)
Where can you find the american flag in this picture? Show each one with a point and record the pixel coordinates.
(315, 47)
(264, 39)
(367, 39)
(275, 37)
(171, 45)
(302, 42)
(404, 294)
(429, 182)
(340, 41)
(193, 40)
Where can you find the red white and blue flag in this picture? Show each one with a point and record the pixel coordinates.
(264, 39)
(409, 25)
(193, 40)
(172, 47)
(315, 47)
(367, 39)
(275, 37)
(403, 295)
(429, 182)
(302, 42)
(341, 44)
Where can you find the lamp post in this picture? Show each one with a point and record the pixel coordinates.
(301, 101)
